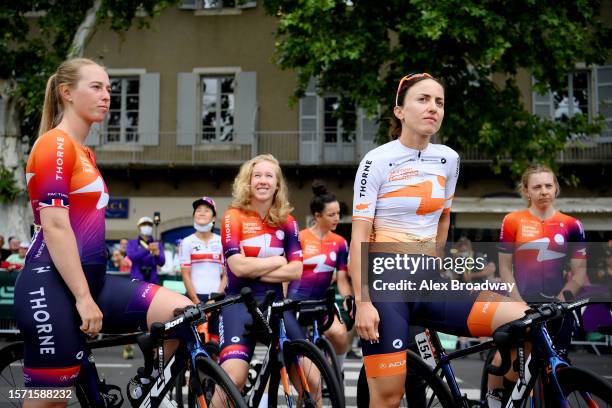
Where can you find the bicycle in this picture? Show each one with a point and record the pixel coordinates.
(147, 388)
(317, 316)
(564, 383)
(284, 365)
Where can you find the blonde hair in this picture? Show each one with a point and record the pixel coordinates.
(68, 73)
(530, 171)
(241, 191)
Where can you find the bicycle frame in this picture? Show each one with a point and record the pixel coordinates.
(274, 358)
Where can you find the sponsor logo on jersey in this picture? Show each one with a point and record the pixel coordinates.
(362, 206)
(364, 178)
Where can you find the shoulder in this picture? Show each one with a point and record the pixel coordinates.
(445, 151)
(568, 219)
(380, 151)
(233, 212)
(516, 216)
(337, 238)
(54, 139)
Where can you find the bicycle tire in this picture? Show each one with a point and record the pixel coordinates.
(210, 375)
(330, 393)
(330, 355)
(11, 377)
(574, 380)
(435, 390)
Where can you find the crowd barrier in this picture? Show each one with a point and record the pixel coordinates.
(596, 315)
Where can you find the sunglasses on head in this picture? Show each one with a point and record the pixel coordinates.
(408, 78)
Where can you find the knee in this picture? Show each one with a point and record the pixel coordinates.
(387, 397)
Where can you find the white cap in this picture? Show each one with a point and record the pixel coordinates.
(24, 244)
(144, 220)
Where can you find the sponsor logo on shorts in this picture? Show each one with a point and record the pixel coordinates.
(79, 355)
(397, 344)
(235, 339)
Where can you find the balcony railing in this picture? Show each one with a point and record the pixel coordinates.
(291, 147)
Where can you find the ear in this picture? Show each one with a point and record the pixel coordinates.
(65, 93)
(398, 112)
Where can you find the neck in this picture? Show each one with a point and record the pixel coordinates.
(319, 231)
(261, 208)
(413, 140)
(542, 213)
(145, 237)
(75, 126)
(204, 236)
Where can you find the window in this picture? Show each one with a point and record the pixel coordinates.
(563, 104)
(333, 128)
(121, 125)
(211, 5)
(218, 103)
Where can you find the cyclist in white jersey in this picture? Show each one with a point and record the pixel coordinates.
(402, 195)
(201, 254)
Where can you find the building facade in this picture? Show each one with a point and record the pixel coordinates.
(197, 94)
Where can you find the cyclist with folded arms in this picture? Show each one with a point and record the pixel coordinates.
(403, 194)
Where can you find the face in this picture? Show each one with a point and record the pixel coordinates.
(123, 244)
(14, 244)
(90, 99)
(203, 215)
(116, 256)
(330, 217)
(264, 182)
(423, 108)
(541, 190)
(22, 252)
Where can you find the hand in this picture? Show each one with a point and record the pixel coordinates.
(154, 248)
(366, 321)
(90, 314)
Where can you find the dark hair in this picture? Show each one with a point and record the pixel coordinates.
(395, 125)
(321, 198)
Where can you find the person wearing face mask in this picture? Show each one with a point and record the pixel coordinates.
(201, 254)
(145, 253)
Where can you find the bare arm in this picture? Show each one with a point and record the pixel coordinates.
(191, 292)
(286, 273)
(61, 242)
(344, 283)
(506, 274)
(223, 283)
(579, 277)
(252, 268)
(442, 233)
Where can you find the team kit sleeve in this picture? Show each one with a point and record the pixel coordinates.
(507, 235)
(577, 240)
(53, 164)
(230, 238)
(185, 254)
(365, 190)
(451, 181)
(291, 244)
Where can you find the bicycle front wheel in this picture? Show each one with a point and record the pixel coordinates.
(217, 388)
(423, 388)
(582, 388)
(313, 383)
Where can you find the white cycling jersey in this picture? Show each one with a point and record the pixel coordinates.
(403, 191)
(205, 260)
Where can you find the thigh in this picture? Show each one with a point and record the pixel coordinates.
(233, 342)
(49, 322)
(125, 303)
(387, 357)
(292, 327)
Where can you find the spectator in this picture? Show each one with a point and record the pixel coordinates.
(145, 253)
(123, 243)
(118, 262)
(4, 253)
(14, 245)
(463, 249)
(16, 261)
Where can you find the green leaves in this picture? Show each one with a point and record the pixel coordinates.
(361, 51)
(8, 186)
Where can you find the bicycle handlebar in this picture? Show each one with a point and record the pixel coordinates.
(148, 341)
(516, 332)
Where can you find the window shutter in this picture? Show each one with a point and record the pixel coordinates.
(186, 113)
(542, 105)
(246, 107)
(148, 117)
(604, 97)
(93, 137)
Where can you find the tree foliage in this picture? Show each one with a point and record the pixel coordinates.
(361, 49)
(36, 36)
